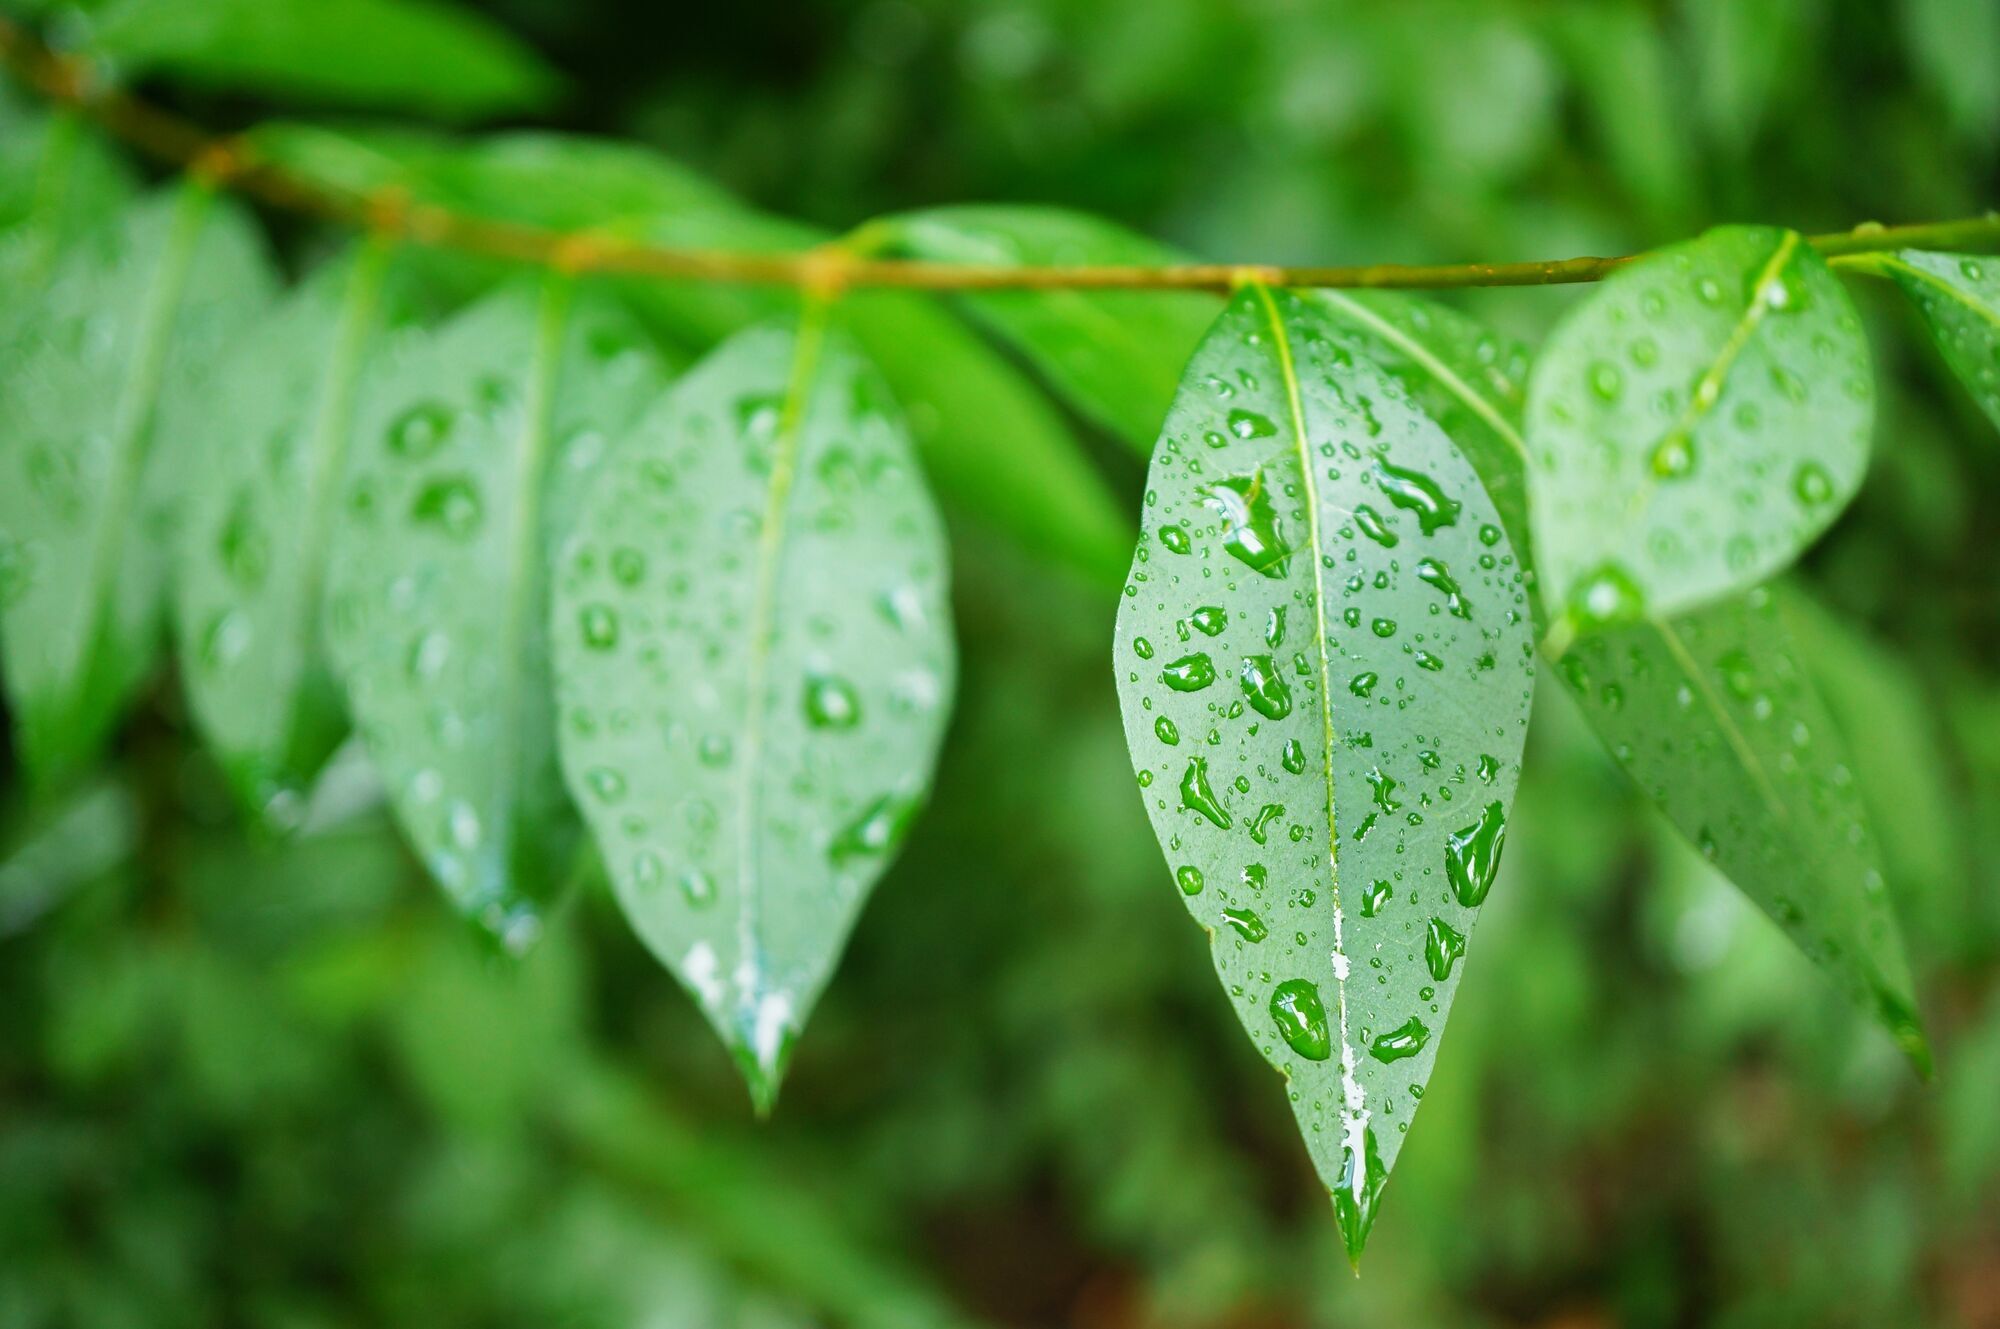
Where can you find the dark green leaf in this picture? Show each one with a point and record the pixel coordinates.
(1716, 717)
(469, 444)
(269, 445)
(413, 54)
(1115, 355)
(87, 500)
(1325, 639)
(57, 181)
(1959, 298)
(1698, 420)
(1956, 43)
(754, 656)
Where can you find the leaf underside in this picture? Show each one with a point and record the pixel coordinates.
(1325, 638)
(754, 666)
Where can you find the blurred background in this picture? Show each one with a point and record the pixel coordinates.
(278, 1085)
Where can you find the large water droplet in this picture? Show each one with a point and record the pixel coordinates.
(1250, 529)
(831, 702)
(1472, 855)
(1415, 492)
(1247, 924)
(1301, 1019)
(1269, 695)
(1197, 797)
(1190, 673)
(1443, 944)
(1406, 1040)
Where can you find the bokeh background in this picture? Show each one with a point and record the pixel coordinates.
(277, 1085)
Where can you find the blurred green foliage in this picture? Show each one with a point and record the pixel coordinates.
(253, 1084)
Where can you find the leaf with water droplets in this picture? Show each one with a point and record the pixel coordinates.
(268, 443)
(1697, 421)
(1716, 718)
(1115, 355)
(470, 445)
(1959, 298)
(1325, 711)
(129, 317)
(754, 664)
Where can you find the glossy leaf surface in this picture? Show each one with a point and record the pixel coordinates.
(755, 664)
(1695, 422)
(1116, 356)
(1325, 667)
(269, 445)
(1959, 298)
(1716, 717)
(135, 308)
(468, 443)
(413, 54)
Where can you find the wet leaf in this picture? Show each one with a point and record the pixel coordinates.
(1325, 638)
(86, 501)
(270, 443)
(1115, 355)
(412, 54)
(470, 444)
(1716, 717)
(1959, 298)
(1697, 421)
(754, 663)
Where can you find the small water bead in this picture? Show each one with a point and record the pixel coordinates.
(876, 829)
(1426, 661)
(1383, 627)
(450, 504)
(1300, 1015)
(1176, 539)
(831, 702)
(1363, 683)
(1190, 673)
(1813, 485)
(1260, 824)
(605, 783)
(1371, 525)
(1472, 855)
(1433, 572)
(1265, 687)
(1673, 456)
(1295, 756)
(1188, 878)
(1378, 894)
(713, 750)
(1249, 424)
(420, 431)
(1142, 648)
(628, 566)
(1407, 1040)
(1169, 733)
(1209, 620)
(1417, 493)
(1247, 924)
(697, 888)
(1606, 380)
(1489, 768)
(1256, 876)
(1250, 527)
(1443, 944)
(1607, 595)
(647, 871)
(599, 624)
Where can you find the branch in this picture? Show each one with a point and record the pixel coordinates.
(227, 162)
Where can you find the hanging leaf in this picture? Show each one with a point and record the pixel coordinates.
(1715, 716)
(1959, 298)
(1115, 355)
(468, 444)
(1697, 421)
(57, 180)
(269, 443)
(87, 501)
(754, 663)
(1325, 666)
(408, 54)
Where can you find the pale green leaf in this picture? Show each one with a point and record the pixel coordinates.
(1958, 296)
(87, 500)
(269, 445)
(1325, 665)
(411, 54)
(1716, 717)
(754, 662)
(1114, 355)
(469, 444)
(1694, 423)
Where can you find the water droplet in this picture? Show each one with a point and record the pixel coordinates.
(1188, 878)
(1472, 855)
(1197, 797)
(1606, 380)
(599, 623)
(428, 654)
(879, 828)
(1190, 673)
(1249, 424)
(1372, 526)
(451, 504)
(1673, 456)
(1812, 484)
(1608, 595)
(1415, 492)
(628, 566)
(697, 888)
(1167, 730)
(1363, 683)
(1247, 924)
(1209, 620)
(1265, 687)
(225, 640)
(1443, 944)
(1301, 1019)
(1295, 756)
(1435, 573)
(420, 431)
(1250, 529)
(605, 783)
(1377, 895)
(831, 702)
(1176, 539)
(1407, 1040)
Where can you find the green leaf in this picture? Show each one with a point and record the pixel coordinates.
(1697, 421)
(1955, 44)
(1115, 355)
(269, 445)
(87, 500)
(1716, 717)
(58, 180)
(1958, 296)
(1325, 637)
(469, 445)
(754, 662)
(415, 55)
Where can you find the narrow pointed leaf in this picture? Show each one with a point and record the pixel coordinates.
(754, 660)
(269, 445)
(85, 499)
(1959, 298)
(1325, 665)
(1697, 421)
(463, 450)
(1716, 717)
(414, 54)
(1115, 355)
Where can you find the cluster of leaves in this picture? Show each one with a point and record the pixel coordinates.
(499, 527)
